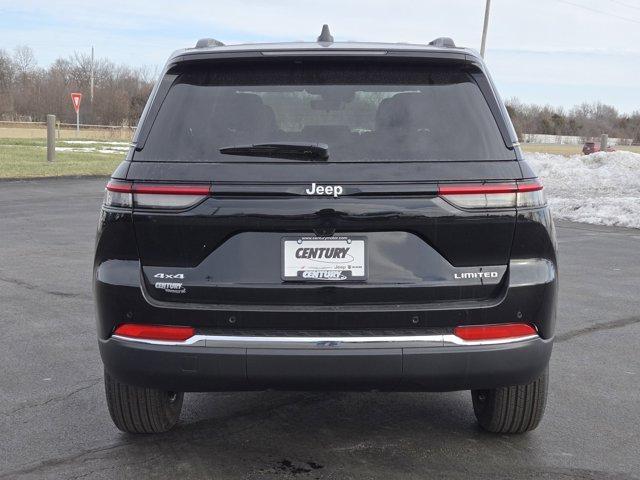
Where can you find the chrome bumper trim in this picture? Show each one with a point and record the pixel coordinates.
(320, 343)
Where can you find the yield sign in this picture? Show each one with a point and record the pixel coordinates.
(76, 98)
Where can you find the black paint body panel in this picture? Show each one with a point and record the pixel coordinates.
(228, 249)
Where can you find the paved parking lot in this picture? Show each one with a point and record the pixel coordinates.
(54, 422)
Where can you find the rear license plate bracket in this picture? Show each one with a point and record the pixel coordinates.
(323, 259)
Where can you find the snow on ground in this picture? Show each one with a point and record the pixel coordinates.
(90, 146)
(601, 188)
(94, 142)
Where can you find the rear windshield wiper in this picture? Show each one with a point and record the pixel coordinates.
(288, 150)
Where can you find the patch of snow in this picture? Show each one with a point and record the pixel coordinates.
(113, 150)
(92, 142)
(602, 188)
(118, 150)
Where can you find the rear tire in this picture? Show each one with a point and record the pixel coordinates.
(515, 409)
(141, 410)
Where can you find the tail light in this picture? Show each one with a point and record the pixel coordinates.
(165, 333)
(125, 194)
(494, 332)
(523, 194)
(531, 194)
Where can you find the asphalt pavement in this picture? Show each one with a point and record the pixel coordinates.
(54, 421)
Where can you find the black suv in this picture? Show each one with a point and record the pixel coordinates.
(347, 216)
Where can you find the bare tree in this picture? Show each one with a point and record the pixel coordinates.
(28, 92)
(7, 73)
(24, 60)
(587, 120)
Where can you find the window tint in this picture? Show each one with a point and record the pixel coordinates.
(363, 112)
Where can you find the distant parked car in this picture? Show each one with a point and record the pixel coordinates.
(592, 147)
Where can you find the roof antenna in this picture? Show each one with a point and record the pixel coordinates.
(325, 35)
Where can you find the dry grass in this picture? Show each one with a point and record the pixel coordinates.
(40, 132)
(22, 158)
(568, 149)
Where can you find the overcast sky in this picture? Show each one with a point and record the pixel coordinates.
(560, 52)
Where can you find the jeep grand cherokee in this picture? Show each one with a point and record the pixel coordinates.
(351, 216)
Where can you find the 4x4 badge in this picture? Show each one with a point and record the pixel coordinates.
(169, 275)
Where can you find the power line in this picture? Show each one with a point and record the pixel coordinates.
(625, 4)
(601, 12)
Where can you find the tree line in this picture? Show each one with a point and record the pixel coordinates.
(588, 120)
(29, 92)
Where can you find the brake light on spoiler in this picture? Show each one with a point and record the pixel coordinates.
(522, 194)
(142, 195)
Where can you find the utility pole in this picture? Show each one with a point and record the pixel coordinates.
(485, 28)
(91, 97)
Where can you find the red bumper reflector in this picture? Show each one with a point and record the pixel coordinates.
(494, 332)
(155, 332)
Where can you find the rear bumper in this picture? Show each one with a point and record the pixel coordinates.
(433, 363)
(529, 297)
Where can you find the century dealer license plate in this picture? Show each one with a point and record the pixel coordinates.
(324, 258)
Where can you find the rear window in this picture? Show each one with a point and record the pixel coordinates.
(364, 112)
